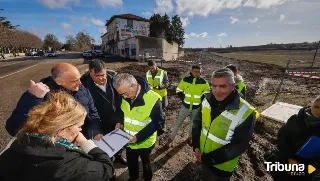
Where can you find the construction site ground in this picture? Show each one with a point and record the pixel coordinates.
(178, 162)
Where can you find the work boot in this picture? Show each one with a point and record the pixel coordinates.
(120, 160)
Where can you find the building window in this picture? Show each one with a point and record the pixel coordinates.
(122, 51)
(130, 23)
(127, 51)
(133, 52)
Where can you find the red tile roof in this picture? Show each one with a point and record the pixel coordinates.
(127, 16)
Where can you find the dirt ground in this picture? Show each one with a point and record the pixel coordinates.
(178, 162)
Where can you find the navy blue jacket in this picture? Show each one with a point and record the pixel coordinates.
(156, 114)
(107, 103)
(92, 124)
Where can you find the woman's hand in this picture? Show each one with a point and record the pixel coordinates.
(80, 140)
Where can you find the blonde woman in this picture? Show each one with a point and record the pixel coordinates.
(51, 146)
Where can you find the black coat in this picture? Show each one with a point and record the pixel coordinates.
(107, 103)
(294, 134)
(92, 124)
(33, 159)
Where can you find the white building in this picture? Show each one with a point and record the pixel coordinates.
(121, 27)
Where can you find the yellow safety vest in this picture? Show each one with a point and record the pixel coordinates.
(157, 81)
(139, 117)
(193, 89)
(240, 86)
(219, 132)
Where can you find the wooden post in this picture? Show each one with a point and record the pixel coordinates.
(314, 58)
(281, 82)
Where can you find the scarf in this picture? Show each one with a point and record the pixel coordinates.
(61, 141)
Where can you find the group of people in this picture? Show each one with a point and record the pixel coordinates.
(57, 118)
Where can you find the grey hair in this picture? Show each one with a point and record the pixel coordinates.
(124, 79)
(224, 72)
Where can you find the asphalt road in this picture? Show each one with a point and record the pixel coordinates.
(14, 80)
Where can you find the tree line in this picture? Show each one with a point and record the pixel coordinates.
(162, 27)
(14, 40)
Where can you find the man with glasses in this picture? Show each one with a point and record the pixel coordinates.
(190, 90)
(142, 109)
(106, 99)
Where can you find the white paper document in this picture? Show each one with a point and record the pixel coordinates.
(111, 143)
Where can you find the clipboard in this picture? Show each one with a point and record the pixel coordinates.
(112, 142)
(310, 149)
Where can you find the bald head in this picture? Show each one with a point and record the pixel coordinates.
(67, 76)
(62, 68)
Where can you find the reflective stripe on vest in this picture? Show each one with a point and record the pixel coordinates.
(219, 132)
(137, 118)
(192, 92)
(157, 81)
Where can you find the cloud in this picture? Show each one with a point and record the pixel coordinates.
(55, 4)
(258, 33)
(97, 22)
(147, 14)
(253, 20)
(222, 34)
(38, 31)
(193, 34)
(110, 3)
(66, 27)
(185, 22)
(205, 7)
(234, 20)
(293, 22)
(102, 30)
(282, 16)
(164, 6)
(263, 3)
(201, 35)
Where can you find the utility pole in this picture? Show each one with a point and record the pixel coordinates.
(314, 58)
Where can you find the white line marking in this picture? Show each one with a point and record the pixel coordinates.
(18, 71)
(10, 64)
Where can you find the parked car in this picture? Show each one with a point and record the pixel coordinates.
(33, 53)
(51, 54)
(97, 53)
(87, 54)
(40, 53)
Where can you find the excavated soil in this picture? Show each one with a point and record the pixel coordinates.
(178, 162)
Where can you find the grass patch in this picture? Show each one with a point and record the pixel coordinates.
(277, 57)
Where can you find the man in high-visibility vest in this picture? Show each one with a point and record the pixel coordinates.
(142, 112)
(223, 127)
(240, 85)
(190, 90)
(158, 81)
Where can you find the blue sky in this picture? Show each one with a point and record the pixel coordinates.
(207, 23)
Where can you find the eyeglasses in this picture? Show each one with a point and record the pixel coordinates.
(126, 94)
